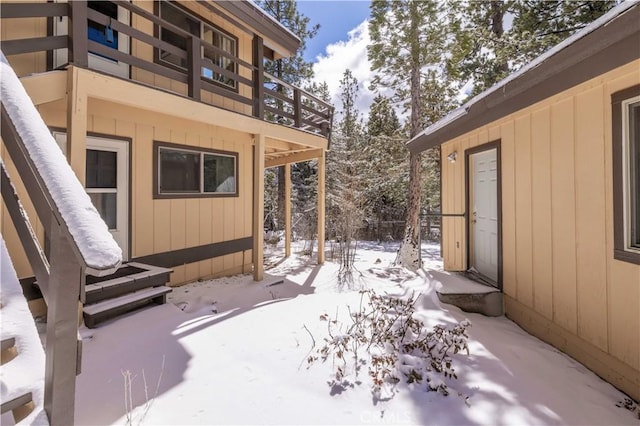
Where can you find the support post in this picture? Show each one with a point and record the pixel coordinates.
(258, 77)
(258, 207)
(77, 125)
(287, 210)
(194, 61)
(297, 108)
(78, 34)
(62, 349)
(321, 206)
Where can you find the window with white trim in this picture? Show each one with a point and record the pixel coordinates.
(626, 165)
(193, 172)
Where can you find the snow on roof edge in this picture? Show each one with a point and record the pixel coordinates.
(89, 231)
(272, 19)
(462, 110)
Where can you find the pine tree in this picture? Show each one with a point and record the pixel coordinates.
(480, 50)
(540, 25)
(344, 180)
(406, 39)
(385, 166)
(484, 51)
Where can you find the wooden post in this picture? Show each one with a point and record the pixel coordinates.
(287, 210)
(258, 207)
(78, 31)
(194, 61)
(258, 77)
(62, 349)
(77, 125)
(321, 206)
(297, 107)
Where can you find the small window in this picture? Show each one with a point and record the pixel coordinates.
(227, 44)
(177, 17)
(209, 34)
(626, 162)
(186, 171)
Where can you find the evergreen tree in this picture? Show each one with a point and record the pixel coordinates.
(484, 51)
(344, 180)
(540, 25)
(385, 166)
(406, 40)
(480, 50)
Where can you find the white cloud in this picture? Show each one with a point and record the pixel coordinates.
(350, 54)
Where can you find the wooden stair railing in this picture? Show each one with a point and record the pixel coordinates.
(80, 242)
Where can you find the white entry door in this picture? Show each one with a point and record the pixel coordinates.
(483, 220)
(99, 33)
(107, 183)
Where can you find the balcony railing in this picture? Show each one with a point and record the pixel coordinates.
(260, 94)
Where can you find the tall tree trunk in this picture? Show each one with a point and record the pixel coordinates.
(409, 254)
(497, 28)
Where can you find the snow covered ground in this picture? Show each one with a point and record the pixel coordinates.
(232, 351)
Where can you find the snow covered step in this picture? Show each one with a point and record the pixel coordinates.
(128, 278)
(107, 309)
(23, 360)
(467, 294)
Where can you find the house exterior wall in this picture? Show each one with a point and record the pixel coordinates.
(28, 63)
(162, 225)
(560, 279)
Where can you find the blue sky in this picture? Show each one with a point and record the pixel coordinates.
(336, 19)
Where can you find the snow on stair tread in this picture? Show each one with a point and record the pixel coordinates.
(24, 374)
(107, 305)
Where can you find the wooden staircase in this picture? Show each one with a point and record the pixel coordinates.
(21, 354)
(132, 286)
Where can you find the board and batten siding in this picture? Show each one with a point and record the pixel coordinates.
(560, 279)
(163, 225)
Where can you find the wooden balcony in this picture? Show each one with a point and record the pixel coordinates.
(249, 90)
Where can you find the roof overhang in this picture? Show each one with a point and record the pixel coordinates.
(608, 43)
(247, 14)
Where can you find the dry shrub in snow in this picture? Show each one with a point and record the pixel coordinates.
(385, 337)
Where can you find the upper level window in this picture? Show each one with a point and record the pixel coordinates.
(102, 34)
(208, 33)
(626, 162)
(189, 171)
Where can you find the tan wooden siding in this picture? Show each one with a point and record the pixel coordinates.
(16, 29)
(160, 225)
(557, 224)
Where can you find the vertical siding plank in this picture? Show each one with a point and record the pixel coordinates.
(541, 212)
(178, 221)
(524, 256)
(458, 202)
(141, 192)
(447, 206)
(590, 218)
(461, 221)
(624, 295)
(161, 208)
(563, 215)
(507, 151)
(444, 195)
